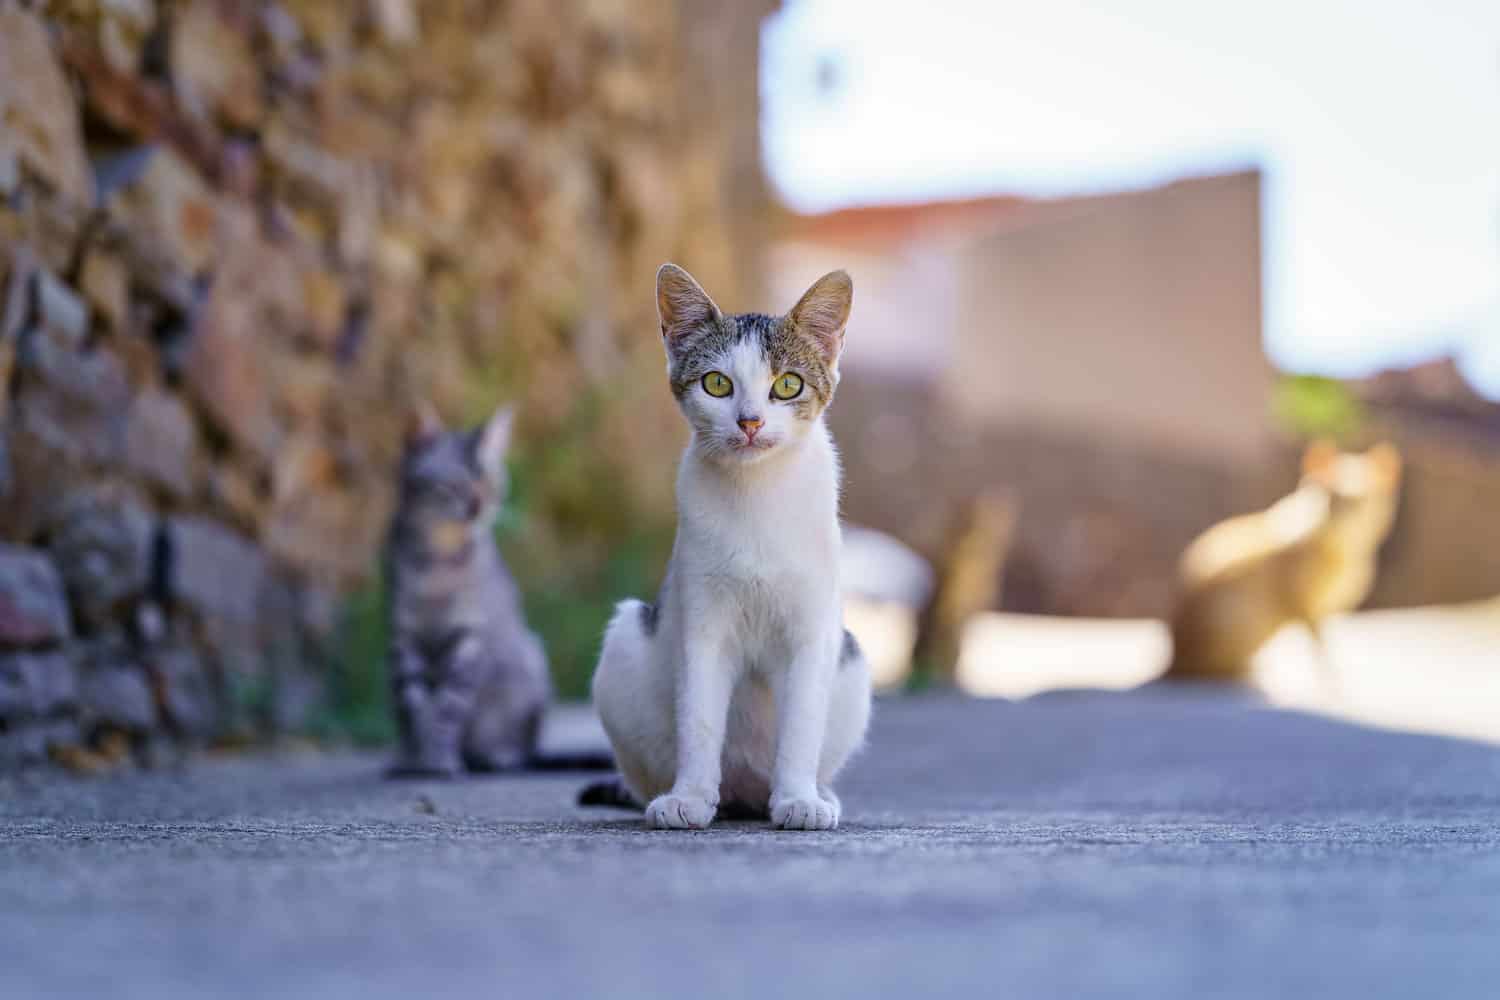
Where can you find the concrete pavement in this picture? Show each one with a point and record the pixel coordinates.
(1158, 843)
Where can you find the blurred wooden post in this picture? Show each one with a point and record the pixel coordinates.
(968, 579)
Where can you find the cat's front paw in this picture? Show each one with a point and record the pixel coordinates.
(680, 812)
(805, 813)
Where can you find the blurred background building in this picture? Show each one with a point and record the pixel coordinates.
(1446, 546)
(1099, 359)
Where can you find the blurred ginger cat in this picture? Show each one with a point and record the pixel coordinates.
(1310, 556)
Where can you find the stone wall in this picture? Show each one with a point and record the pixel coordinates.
(237, 239)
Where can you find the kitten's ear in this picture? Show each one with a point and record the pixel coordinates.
(681, 303)
(1319, 459)
(493, 441)
(422, 423)
(1386, 460)
(823, 312)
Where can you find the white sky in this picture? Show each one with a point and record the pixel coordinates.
(1377, 124)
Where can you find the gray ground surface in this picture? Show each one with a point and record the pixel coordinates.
(1155, 844)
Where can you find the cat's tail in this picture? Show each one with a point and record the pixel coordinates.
(613, 794)
(610, 794)
(574, 760)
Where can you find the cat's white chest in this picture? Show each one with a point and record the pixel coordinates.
(759, 555)
(780, 525)
(774, 542)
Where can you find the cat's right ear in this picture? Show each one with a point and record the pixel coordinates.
(422, 423)
(493, 442)
(681, 303)
(1319, 459)
(823, 312)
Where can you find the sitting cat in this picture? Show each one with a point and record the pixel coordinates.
(469, 679)
(1310, 556)
(739, 690)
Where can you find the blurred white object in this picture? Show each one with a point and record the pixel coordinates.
(886, 587)
(887, 632)
(880, 568)
(1426, 670)
(1015, 656)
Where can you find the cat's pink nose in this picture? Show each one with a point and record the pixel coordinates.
(751, 426)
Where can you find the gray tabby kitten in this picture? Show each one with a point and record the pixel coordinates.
(469, 679)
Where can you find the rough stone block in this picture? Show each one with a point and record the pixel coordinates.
(105, 282)
(33, 608)
(36, 684)
(324, 299)
(234, 493)
(161, 442)
(113, 687)
(118, 696)
(73, 401)
(25, 744)
(40, 113)
(101, 541)
(305, 389)
(185, 690)
(120, 46)
(91, 377)
(396, 21)
(214, 571)
(7, 366)
(61, 309)
(10, 168)
(323, 533)
(226, 370)
(40, 477)
(169, 206)
(214, 71)
(54, 227)
(20, 289)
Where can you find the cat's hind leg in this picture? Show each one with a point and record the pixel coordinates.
(634, 699)
(499, 739)
(429, 735)
(848, 717)
(510, 692)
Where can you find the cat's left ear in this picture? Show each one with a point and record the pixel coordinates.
(681, 304)
(493, 442)
(823, 312)
(422, 423)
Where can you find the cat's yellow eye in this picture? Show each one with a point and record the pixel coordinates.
(717, 384)
(788, 385)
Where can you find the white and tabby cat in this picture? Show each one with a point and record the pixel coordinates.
(739, 691)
